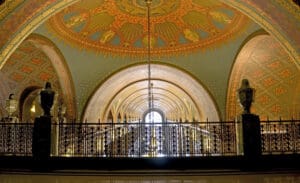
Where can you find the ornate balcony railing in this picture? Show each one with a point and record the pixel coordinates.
(147, 140)
(280, 137)
(16, 139)
(150, 140)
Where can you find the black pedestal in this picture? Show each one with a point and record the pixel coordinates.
(251, 136)
(41, 141)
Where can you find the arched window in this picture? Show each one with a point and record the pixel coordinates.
(153, 116)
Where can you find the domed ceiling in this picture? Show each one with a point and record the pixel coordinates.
(199, 37)
(121, 27)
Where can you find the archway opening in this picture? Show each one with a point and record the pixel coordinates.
(153, 117)
(174, 90)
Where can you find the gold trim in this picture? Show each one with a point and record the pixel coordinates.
(260, 19)
(9, 6)
(11, 45)
(290, 7)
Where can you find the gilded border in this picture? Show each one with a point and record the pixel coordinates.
(259, 18)
(10, 47)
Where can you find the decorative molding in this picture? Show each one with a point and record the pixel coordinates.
(250, 8)
(291, 7)
(8, 6)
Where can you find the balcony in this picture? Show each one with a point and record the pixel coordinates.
(151, 145)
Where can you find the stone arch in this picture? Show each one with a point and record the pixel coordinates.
(27, 97)
(36, 61)
(154, 110)
(62, 71)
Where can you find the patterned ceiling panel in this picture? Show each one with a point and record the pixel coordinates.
(271, 72)
(120, 27)
(28, 66)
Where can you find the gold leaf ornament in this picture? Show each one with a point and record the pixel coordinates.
(191, 35)
(107, 36)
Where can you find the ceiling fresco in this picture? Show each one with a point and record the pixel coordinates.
(273, 75)
(121, 27)
(29, 66)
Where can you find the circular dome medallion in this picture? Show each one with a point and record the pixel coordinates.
(121, 26)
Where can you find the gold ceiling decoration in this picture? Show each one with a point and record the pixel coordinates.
(271, 72)
(8, 6)
(29, 66)
(120, 27)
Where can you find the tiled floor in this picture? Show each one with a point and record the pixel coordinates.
(179, 177)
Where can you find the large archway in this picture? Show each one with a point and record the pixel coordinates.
(175, 92)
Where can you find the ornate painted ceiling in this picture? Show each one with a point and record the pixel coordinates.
(121, 27)
(272, 74)
(27, 67)
(199, 37)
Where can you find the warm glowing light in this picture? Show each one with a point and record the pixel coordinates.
(155, 117)
(32, 109)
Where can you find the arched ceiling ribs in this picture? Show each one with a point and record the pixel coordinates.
(164, 78)
(122, 99)
(142, 100)
(169, 94)
(163, 84)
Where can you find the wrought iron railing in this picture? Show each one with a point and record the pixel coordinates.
(147, 140)
(150, 140)
(16, 139)
(280, 137)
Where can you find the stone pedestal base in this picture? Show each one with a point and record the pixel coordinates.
(251, 136)
(41, 141)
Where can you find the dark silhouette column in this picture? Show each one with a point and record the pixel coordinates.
(41, 142)
(250, 123)
(251, 136)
